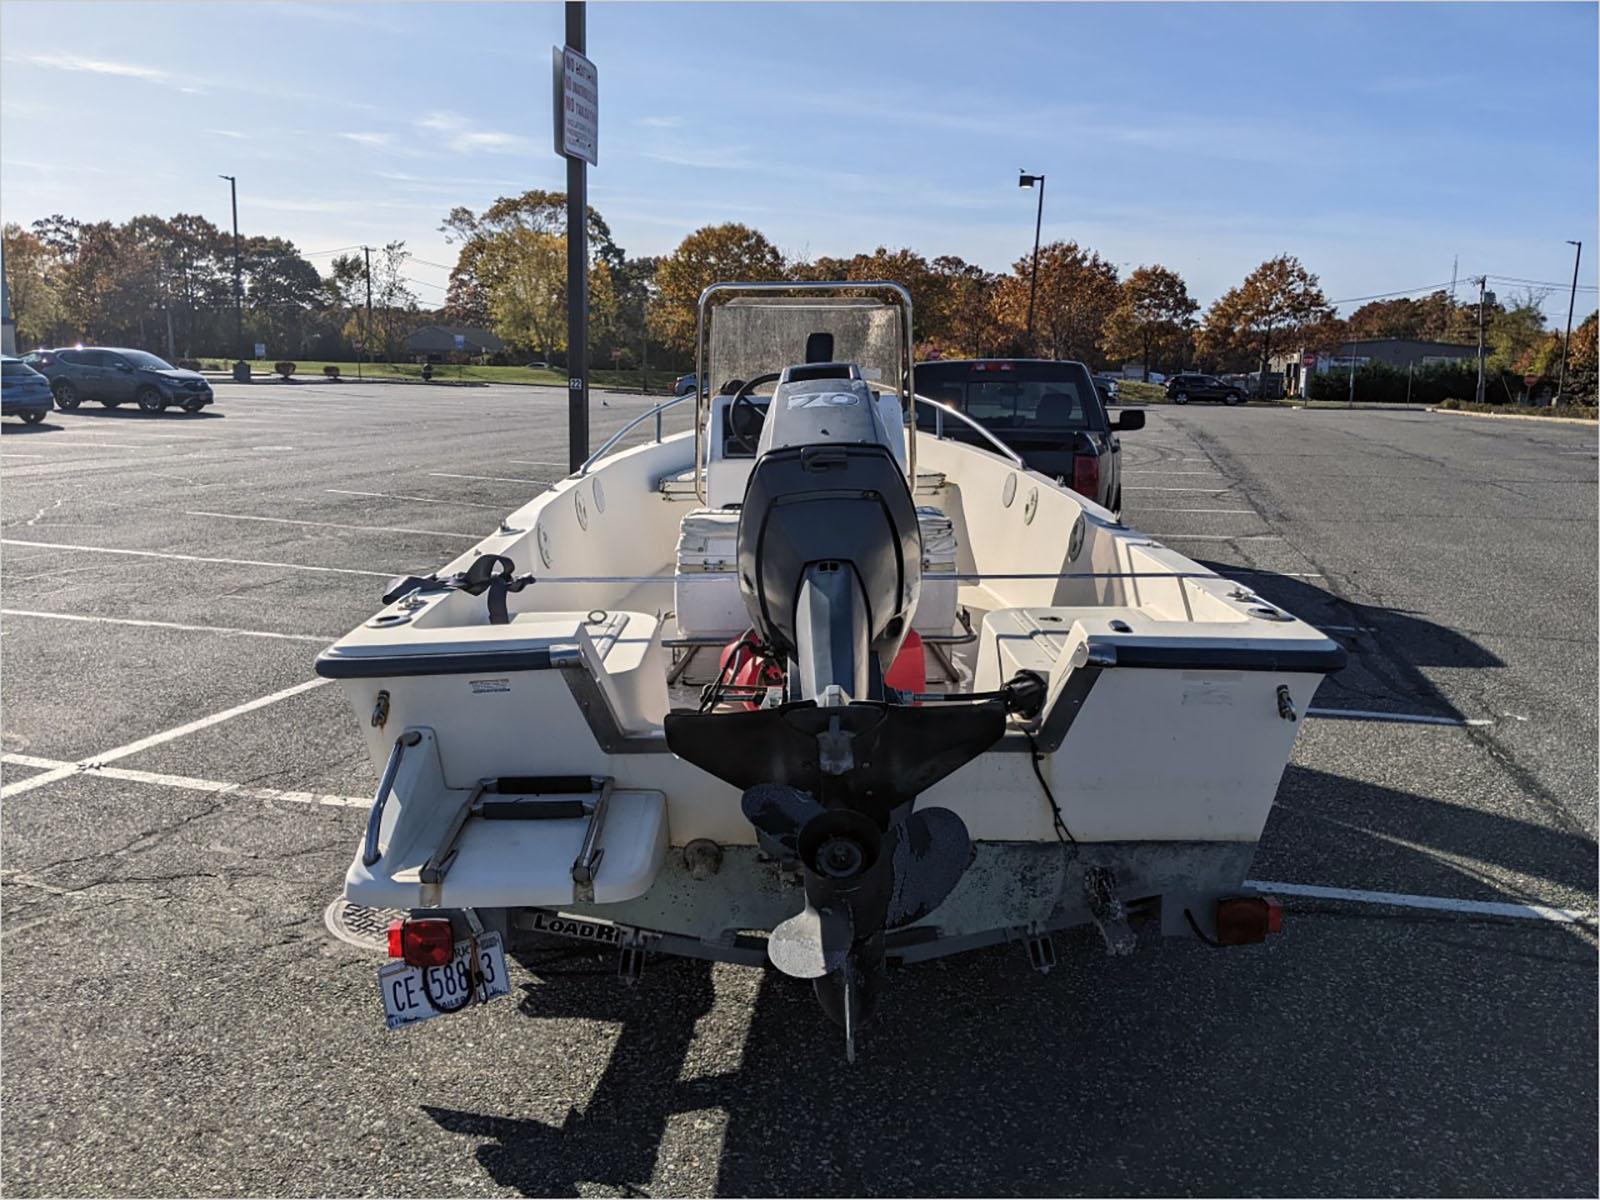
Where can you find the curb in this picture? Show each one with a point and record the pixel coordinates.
(1456, 412)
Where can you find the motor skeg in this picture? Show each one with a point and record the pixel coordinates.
(829, 548)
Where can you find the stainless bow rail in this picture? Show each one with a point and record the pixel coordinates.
(628, 428)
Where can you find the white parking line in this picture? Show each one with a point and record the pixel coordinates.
(490, 478)
(229, 562)
(471, 537)
(155, 739)
(1219, 537)
(1261, 571)
(223, 629)
(1133, 487)
(1242, 511)
(1357, 714)
(189, 783)
(415, 499)
(1487, 908)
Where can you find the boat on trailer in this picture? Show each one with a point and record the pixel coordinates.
(804, 686)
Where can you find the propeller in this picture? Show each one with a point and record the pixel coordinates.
(858, 881)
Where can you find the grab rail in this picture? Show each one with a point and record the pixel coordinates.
(370, 853)
(938, 429)
(618, 435)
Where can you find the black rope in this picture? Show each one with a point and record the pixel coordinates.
(1063, 834)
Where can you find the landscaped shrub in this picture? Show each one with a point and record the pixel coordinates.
(331, 371)
(285, 369)
(188, 364)
(1378, 384)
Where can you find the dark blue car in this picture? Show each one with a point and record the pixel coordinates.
(115, 376)
(23, 391)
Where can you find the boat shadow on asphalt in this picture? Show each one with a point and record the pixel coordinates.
(1307, 1065)
(1387, 647)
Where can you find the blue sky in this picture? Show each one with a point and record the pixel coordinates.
(1376, 142)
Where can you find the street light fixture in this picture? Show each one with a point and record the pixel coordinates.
(1024, 180)
(241, 368)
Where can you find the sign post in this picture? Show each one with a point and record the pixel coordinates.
(577, 137)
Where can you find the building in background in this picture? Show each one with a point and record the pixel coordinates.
(1400, 353)
(437, 341)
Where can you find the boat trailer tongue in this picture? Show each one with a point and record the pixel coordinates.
(832, 789)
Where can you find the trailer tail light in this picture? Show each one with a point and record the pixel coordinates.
(1244, 920)
(1086, 475)
(428, 942)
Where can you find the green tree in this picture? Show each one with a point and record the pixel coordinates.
(1154, 313)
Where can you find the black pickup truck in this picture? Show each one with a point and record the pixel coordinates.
(1047, 411)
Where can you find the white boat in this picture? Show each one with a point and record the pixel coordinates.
(1086, 727)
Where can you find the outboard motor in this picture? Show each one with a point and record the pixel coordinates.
(830, 555)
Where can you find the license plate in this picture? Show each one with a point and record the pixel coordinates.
(406, 989)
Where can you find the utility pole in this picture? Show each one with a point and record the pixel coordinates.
(367, 342)
(1483, 282)
(1027, 181)
(1350, 400)
(1572, 299)
(241, 367)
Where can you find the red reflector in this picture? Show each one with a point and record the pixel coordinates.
(428, 942)
(1243, 920)
(1086, 475)
(395, 950)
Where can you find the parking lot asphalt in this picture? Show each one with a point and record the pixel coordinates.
(178, 1021)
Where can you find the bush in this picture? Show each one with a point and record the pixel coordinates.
(188, 364)
(1378, 384)
(332, 372)
(285, 369)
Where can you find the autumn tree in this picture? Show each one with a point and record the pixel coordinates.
(1276, 301)
(35, 306)
(1077, 292)
(1154, 312)
(965, 322)
(710, 254)
(1581, 362)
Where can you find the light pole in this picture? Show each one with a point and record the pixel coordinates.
(1027, 181)
(241, 368)
(1561, 383)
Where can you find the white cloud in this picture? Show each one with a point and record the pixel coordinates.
(660, 122)
(463, 136)
(227, 133)
(368, 139)
(729, 158)
(98, 66)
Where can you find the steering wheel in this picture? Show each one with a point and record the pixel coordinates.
(745, 438)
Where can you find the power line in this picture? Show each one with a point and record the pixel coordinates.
(425, 263)
(1432, 287)
(1582, 287)
(322, 253)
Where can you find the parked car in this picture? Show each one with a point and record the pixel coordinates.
(115, 376)
(684, 384)
(1109, 387)
(23, 391)
(1049, 412)
(1191, 386)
